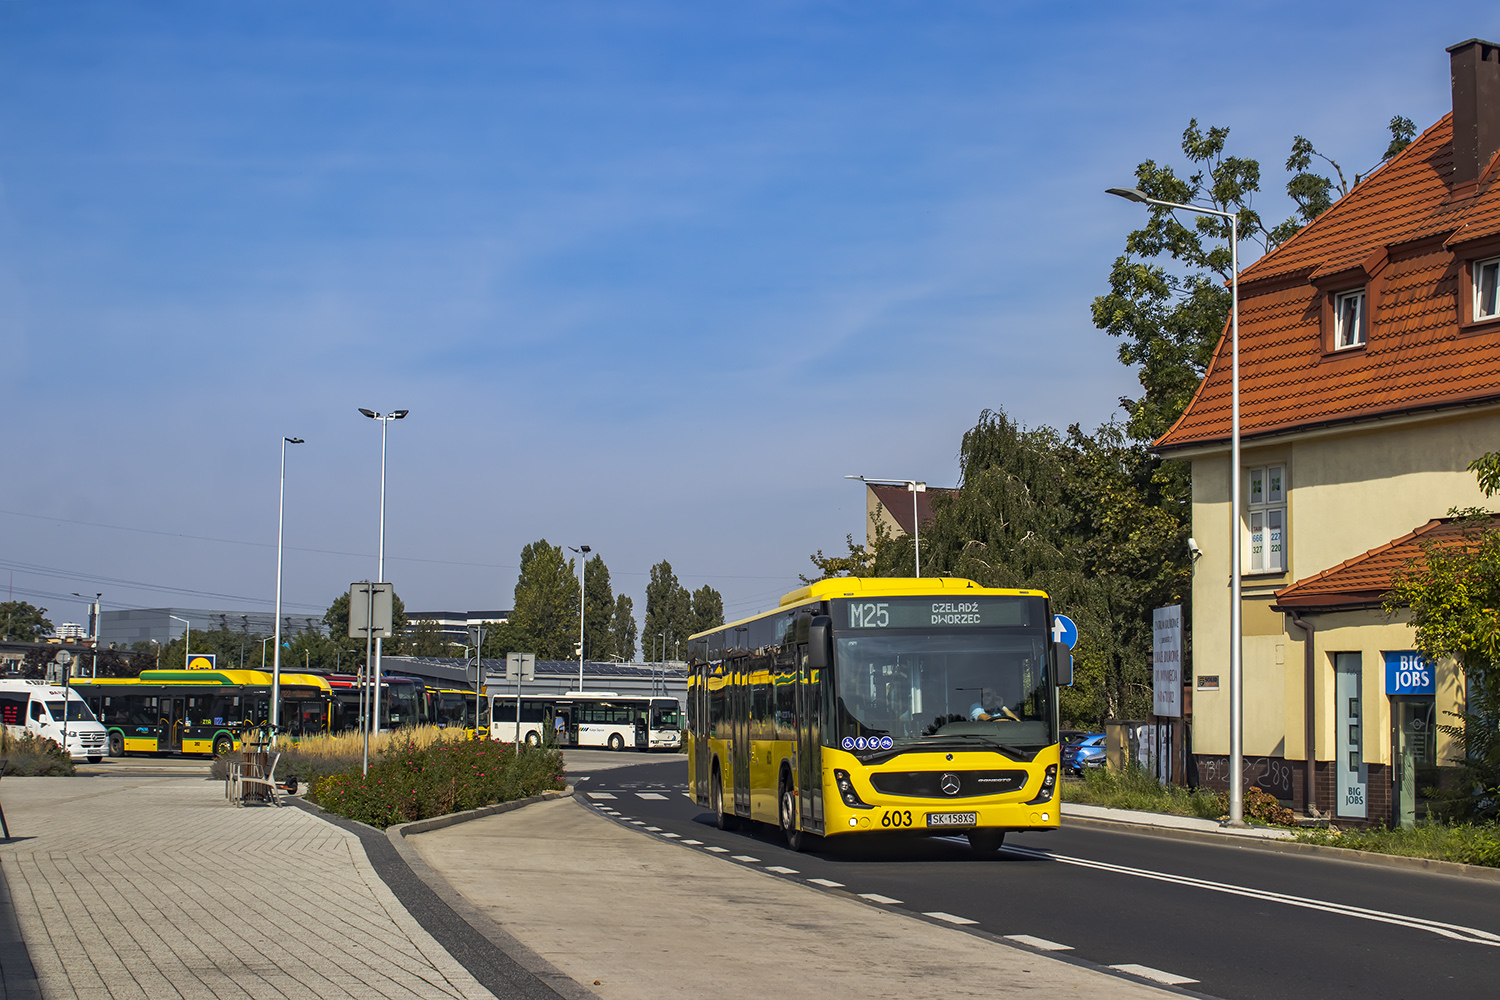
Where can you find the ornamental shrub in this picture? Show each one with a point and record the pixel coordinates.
(30, 755)
(411, 782)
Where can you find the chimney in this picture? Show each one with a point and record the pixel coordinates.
(1476, 107)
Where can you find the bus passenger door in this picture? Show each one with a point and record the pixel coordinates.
(700, 730)
(173, 718)
(739, 701)
(809, 747)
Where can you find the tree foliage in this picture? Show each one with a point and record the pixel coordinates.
(23, 622)
(599, 609)
(669, 612)
(545, 619)
(622, 628)
(708, 610)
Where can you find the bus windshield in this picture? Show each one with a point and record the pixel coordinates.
(983, 684)
(667, 716)
(77, 711)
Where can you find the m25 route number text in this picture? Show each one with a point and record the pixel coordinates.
(872, 615)
(896, 817)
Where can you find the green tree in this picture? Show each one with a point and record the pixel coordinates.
(545, 619)
(669, 618)
(622, 628)
(427, 640)
(598, 607)
(708, 610)
(22, 622)
(342, 649)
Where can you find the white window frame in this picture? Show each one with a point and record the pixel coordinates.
(1266, 517)
(1477, 279)
(1344, 337)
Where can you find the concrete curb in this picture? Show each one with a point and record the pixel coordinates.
(438, 822)
(1451, 869)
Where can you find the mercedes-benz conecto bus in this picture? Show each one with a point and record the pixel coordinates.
(924, 706)
(590, 719)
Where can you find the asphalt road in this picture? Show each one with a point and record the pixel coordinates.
(1227, 921)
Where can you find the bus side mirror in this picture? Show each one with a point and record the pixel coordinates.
(1063, 654)
(820, 643)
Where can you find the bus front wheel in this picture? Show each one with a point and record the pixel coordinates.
(532, 739)
(723, 820)
(795, 839)
(222, 745)
(616, 742)
(986, 843)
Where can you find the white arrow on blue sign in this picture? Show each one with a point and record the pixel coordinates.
(1064, 631)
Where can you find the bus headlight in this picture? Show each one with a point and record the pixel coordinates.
(1049, 785)
(846, 791)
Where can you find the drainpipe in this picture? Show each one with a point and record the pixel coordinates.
(1309, 722)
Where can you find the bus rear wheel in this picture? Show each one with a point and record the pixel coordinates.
(795, 839)
(116, 744)
(616, 742)
(723, 820)
(532, 739)
(222, 745)
(986, 843)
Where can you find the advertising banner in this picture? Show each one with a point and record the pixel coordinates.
(1166, 661)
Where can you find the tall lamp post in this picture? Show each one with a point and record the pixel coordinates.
(385, 422)
(187, 634)
(915, 486)
(276, 655)
(583, 551)
(1236, 674)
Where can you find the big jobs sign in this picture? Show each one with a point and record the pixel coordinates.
(1166, 661)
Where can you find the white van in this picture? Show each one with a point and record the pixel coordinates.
(43, 709)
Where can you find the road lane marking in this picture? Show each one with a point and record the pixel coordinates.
(826, 883)
(599, 795)
(719, 850)
(744, 857)
(876, 897)
(1455, 932)
(1155, 975)
(779, 870)
(637, 822)
(1041, 944)
(653, 829)
(649, 795)
(673, 835)
(695, 843)
(950, 918)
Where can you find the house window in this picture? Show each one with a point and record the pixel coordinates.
(1349, 319)
(1267, 511)
(1486, 275)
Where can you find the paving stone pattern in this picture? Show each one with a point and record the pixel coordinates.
(159, 888)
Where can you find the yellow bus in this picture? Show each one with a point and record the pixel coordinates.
(201, 711)
(923, 706)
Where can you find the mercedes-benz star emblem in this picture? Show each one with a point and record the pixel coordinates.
(950, 784)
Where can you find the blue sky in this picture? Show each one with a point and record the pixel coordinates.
(649, 276)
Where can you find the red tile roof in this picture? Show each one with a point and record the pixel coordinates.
(1398, 230)
(897, 502)
(1363, 581)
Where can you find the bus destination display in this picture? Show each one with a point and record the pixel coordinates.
(925, 612)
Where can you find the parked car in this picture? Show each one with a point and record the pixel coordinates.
(1087, 752)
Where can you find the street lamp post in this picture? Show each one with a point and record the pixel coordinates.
(187, 634)
(276, 654)
(915, 486)
(583, 551)
(1236, 673)
(385, 421)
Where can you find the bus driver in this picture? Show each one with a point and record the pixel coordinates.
(997, 712)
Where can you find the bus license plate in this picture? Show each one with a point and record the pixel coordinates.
(952, 819)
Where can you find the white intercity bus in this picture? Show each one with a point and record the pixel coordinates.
(55, 712)
(590, 719)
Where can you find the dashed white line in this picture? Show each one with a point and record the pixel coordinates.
(876, 897)
(719, 850)
(1040, 944)
(635, 822)
(599, 795)
(1155, 975)
(675, 836)
(779, 870)
(695, 843)
(653, 829)
(950, 918)
(743, 857)
(827, 883)
(649, 795)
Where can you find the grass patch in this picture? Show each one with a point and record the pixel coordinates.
(1464, 843)
(414, 780)
(32, 756)
(1135, 789)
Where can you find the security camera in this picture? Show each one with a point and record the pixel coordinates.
(1193, 549)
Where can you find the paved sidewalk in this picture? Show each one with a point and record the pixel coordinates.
(138, 887)
(1166, 821)
(635, 918)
